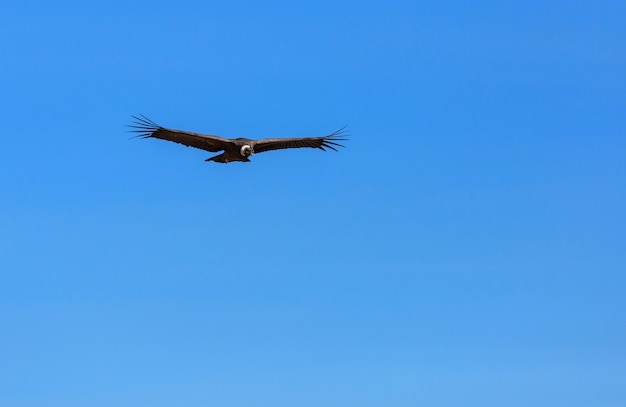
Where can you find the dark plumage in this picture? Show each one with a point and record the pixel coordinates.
(238, 149)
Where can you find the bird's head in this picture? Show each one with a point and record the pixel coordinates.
(246, 151)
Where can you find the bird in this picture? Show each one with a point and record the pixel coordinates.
(238, 149)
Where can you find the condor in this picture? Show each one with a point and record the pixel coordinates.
(239, 149)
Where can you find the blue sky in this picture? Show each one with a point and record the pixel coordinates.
(466, 248)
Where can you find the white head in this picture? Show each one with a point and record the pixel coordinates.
(246, 151)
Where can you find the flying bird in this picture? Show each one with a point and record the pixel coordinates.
(238, 149)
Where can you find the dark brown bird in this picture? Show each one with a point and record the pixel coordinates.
(239, 149)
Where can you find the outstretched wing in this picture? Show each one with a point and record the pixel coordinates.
(331, 141)
(146, 128)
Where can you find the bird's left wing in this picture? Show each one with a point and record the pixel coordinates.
(146, 128)
(331, 141)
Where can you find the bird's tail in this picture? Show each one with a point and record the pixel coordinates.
(220, 158)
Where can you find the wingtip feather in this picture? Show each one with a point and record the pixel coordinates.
(142, 125)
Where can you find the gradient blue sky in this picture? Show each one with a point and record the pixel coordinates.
(467, 248)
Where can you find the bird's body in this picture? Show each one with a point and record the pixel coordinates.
(238, 149)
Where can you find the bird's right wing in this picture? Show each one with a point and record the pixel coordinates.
(146, 128)
(331, 141)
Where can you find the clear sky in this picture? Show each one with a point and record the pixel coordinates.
(467, 248)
